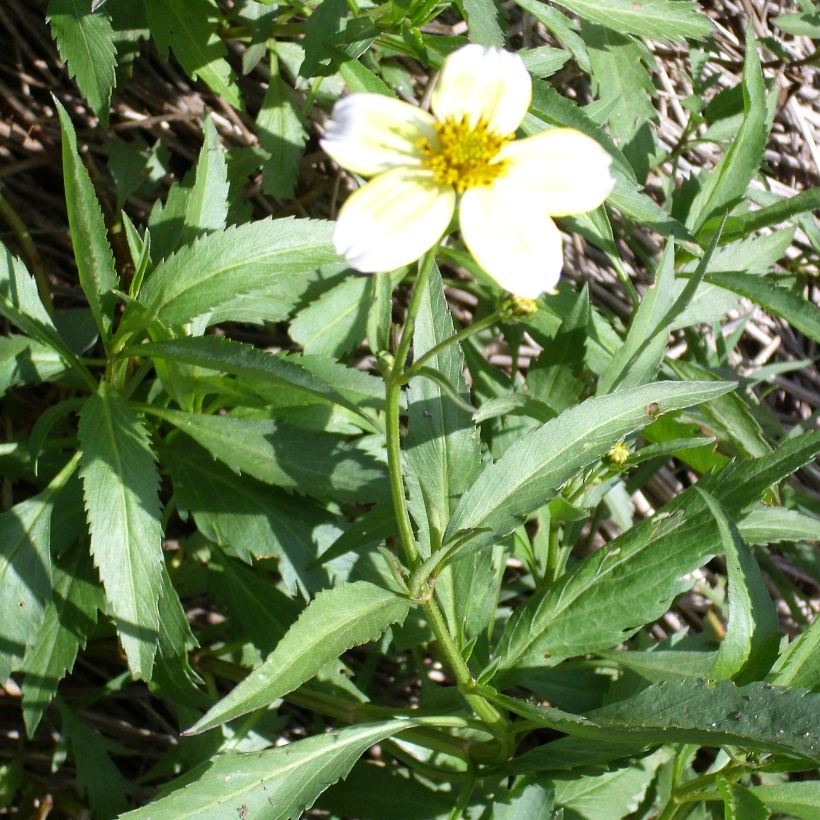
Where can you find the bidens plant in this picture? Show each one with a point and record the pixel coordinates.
(465, 153)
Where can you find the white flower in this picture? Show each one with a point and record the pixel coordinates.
(464, 153)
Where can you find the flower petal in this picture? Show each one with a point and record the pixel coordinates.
(371, 133)
(567, 171)
(483, 84)
(512, 239)
(393, 220)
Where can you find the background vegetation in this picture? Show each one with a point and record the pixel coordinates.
(194, 468)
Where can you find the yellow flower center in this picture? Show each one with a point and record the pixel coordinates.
(466, 156)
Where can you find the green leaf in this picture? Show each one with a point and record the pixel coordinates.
(207, 207)
(69, 618)
(739, 803)
(561, 27)
(360, 79)
(770, 525)
(730, 416)
(281, 134)
(86, 44)
(752, 638)
(556, 376)
(800, 799)
(214, 269)
(95, 262)
(758, 716)
(806, 24)
(482, 19)
(799, 664)
(441, 450)
(618, 73)
(187, 27)
(617, 793)
(25, 575)
(24, 361)
(253, 519)
(285, 456)
(120, 484)
(334, 621)
(533, 468)
(97, 777)
(326, 21)
(781, 301)
(257, 366)
(289, 778)
(336, 322)
(610, 594)
(740, 226)
(730, 178)
(663, 20)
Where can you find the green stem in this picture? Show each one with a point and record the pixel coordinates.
(495, 721)
(488, 321)
(465, 795)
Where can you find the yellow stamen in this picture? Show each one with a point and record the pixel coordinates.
(466, 154)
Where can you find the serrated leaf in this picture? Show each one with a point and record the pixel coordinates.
(253, 519)
(92, 253)
(120, 489)
(69, 618)
(289, 778)
(563, 28)
(482, 19)
(758, 716)
(334, 621)
(610, 594)
(187, 27)
(86, 44)
(257, 366)
(612, 794)
(764, 290)
(326, 21)
(218, 267)
(281, 134)
(25, 575)
(98, 778)
(729, 179)
(207, 207)
(770, 525)
(752, 637)
(618, 73)
(533, 468)
(24, 361)
(663, 20)
(336, 322)
(285, 456)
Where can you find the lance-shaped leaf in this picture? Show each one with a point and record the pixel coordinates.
(278, 783)
(86, 44)
(254, 365)
(207, 207)
(92, 253)
(750, 645)
(25, 575)
(188, 28)
(658, 19)
(609, 595)
(758, 716)
(120, 484)
(729, 179)
(285, 456)
(333, 622)
(533, 468)
(69, 618)
(218, 267)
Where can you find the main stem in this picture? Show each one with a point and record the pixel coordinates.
(394, 381)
